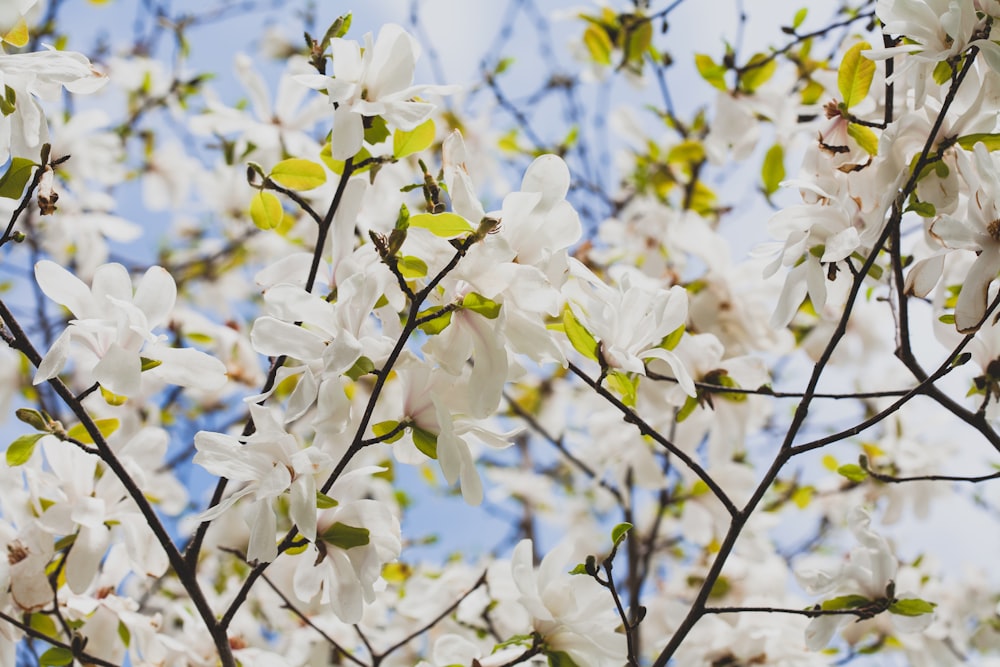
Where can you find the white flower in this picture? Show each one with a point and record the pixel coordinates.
(573, 614)
(115, 323)
(869, 572)
(373, 81)
(271, 463)
(27, 76)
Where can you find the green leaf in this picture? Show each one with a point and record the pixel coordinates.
(413, 141)
(924, 209)
(673, 339)
(265, 210)
(382, 428)
(560, 659)
(800, 16)
(105, 426)
(435, 326)
(16, 177)
(854, 78)
(149, 364)
(478, 303)
(412, 267)
(844, 602)
(811, 92)
(425, 441)
(346, 537)
(581, 339)
(338, 28)
(756, 75)
(298, 174)
(853, 472)
(324, 502)
(8, 101)
(624, 386)
(363, 366)
(864, 136)
(990, 140)
(598, 44)
(377, 131)
(22, 448)
(445, 225)
(619, 532)
(942, 72)
(912, 607)
(56, 657)
(689, 407)
(44, 624)
(34, 419)
(112, 398)
(579, 569)
(637, 41)
(711, 72)
(772, 172)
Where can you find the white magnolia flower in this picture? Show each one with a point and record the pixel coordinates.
(869, 572)
(631, 320)
(271, 462)
(29, 76)
(114, 324)
(375, 80)
(573, 614)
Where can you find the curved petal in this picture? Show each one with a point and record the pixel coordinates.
(64, 288)
(970, 310)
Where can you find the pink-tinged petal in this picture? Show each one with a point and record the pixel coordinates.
(273, 338)
(155, 295)
(54, 361)
(924, 275)
(119, 371)
(348, 133)
(263, 547)
(187, 367)
(970, 309)
(85, 557)
(65, 289)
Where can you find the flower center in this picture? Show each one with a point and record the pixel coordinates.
(993, 229)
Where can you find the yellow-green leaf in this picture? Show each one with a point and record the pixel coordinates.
(478, 303)
(265, 210)
(598, 44)
(16, 177)
(425, 441)
(105, 426)
(864, 136)
(445, 225)
(969, 141)
(854, 77)
(581, 339)
(758, 70)
(710, 71)
(624, 386)
(772, 172)
(412, 267)
(22, 448)
(413, 141)
(298, 174)
(637, 41)
(383, 429)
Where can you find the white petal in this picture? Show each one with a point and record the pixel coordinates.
(64, 288)
(348, 133)
(274, 338)
(54, 361)
(119, 371)
(970, 309)
(155, 295)
(187, 367)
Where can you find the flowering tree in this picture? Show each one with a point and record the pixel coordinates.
(695, 456)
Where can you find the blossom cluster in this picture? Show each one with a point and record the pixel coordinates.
(368, 300)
